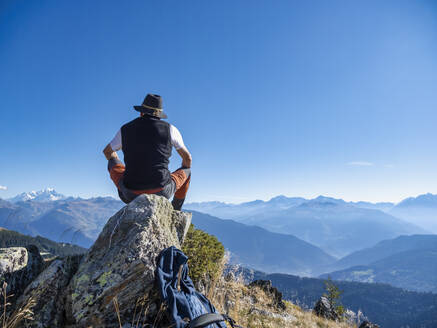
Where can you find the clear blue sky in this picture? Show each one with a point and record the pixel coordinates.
(272, 97)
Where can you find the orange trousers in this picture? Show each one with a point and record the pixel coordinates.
(180, 183)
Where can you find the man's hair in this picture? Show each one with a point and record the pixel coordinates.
(145, 114)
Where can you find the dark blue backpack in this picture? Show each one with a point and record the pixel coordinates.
(186, 307)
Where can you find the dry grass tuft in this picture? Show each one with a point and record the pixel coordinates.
(20, 314)
(141, 316)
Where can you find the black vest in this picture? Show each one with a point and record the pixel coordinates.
(146, 145)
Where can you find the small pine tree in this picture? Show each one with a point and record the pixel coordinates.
(333, 294)
(205, 255)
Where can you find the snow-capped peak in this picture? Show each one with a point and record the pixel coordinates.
(45, 195)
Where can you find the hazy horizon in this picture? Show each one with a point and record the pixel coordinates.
(227, 202)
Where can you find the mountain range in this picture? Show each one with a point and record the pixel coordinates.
(336, 226)
(69, 220)
(281, 202)
(45, 195)
(387, 248)
(422, 210)
(260, 249)
(408, 262)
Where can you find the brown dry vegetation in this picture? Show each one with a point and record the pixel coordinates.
(251, 307)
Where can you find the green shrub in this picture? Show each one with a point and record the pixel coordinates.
(205, 256)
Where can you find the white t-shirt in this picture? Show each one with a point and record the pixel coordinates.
(176, 139)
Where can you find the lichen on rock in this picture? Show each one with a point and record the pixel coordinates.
(121, 264)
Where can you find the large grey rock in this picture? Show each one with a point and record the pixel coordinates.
(121, 264)
(48, 291)
(324, 309)
(18, 267)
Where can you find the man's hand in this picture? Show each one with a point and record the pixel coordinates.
(186, 157)
(109, 153)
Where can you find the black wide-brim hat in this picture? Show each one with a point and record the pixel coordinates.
(152, 105)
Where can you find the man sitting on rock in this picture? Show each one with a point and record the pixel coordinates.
(147, 143)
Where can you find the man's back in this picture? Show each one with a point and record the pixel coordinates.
(146, 144)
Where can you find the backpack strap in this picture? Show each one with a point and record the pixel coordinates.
(209, 318)
(205, 320)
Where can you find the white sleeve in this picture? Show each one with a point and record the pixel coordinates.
(176, 138)
(116, 142)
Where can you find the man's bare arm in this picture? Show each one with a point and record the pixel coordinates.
(186, 157)
(109, 153)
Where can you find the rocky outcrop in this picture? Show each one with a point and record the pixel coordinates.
(324, 309)
(274, 293)
(19, 266)
(121, 264)
(48, 292)
(367, 324)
